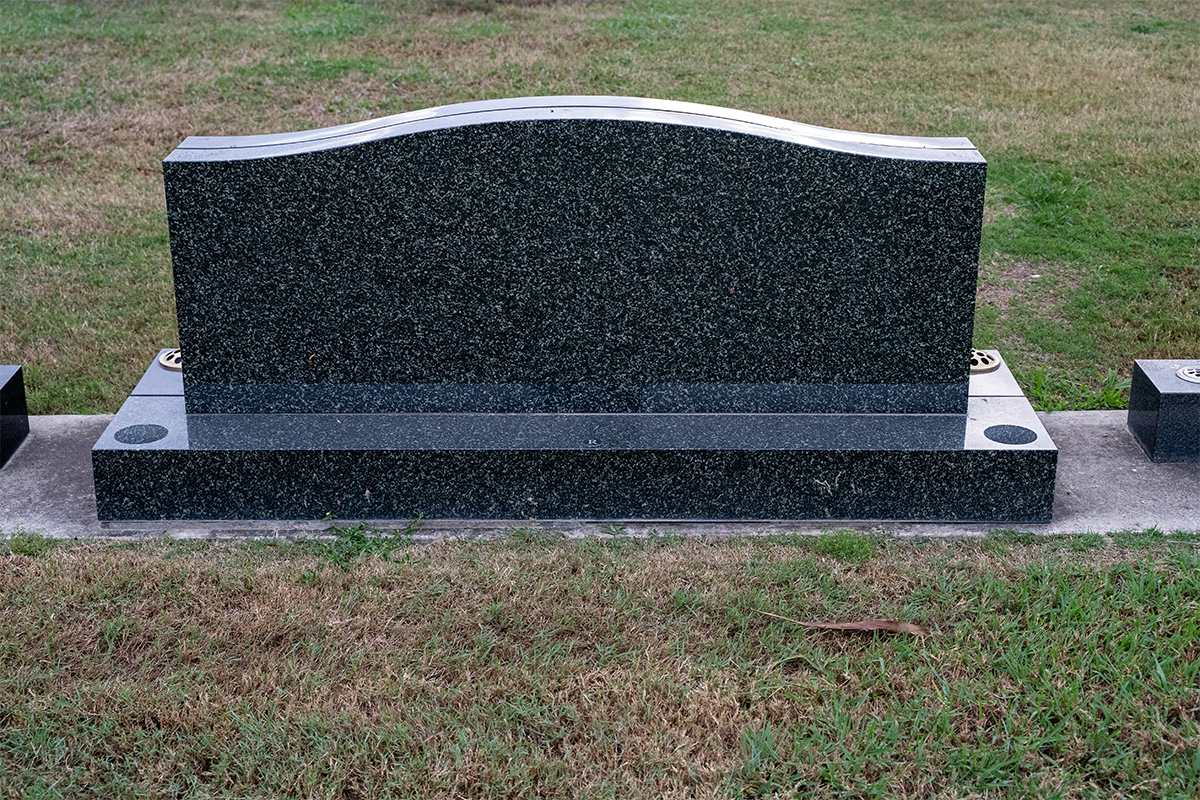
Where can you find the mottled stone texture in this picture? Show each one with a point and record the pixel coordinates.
(600, 484)
(597, 466)
(571, 266)
(603, 308)
(14, 422)
(1164, 410)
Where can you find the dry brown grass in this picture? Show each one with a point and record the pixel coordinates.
(89, 111)
(1041, 288)
(541, 668)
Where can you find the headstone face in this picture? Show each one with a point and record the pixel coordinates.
(575, 307)
(540, 256)
(14, 422)
(1164, 408)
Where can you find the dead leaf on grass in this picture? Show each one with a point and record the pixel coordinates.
(886, 625)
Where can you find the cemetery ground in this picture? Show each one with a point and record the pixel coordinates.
(528, 666)
(1087, 113)
(531, 666)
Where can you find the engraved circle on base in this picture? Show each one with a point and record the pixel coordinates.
(172, 360)
(140, 434)
(1011, 434)
(1189, 374)
(982, 362)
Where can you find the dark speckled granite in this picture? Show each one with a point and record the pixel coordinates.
(1164, 410)
(14, 422)
(602, 308)
(574, 265)
(604, 484)
(600, 466)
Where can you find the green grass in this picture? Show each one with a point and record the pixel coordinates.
(29, 544)
(1086, 112)
(846, 546)
(351, 544)
(533, 666)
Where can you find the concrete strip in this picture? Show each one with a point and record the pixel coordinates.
(1105, 484)
(46, 487)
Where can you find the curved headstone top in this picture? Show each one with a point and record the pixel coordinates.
(574, 107)
(575, 254)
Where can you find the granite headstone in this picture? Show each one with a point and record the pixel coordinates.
(575, 307)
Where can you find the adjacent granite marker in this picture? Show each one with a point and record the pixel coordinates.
(575, 307)
(1164, 408)
(14, 420)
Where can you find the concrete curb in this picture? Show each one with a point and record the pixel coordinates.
(1105, 484)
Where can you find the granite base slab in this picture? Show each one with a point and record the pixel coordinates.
(14, 419)
(996, 463)
(1164, 408)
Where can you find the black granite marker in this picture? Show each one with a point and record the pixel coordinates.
(575, 307)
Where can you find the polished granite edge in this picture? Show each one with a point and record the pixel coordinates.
(158, 380)
(472, 431)
(14, 415)
(205, 398)
(225, 148)
(615, 104)
(995, 398)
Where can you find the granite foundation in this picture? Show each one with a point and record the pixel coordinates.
(156, 461)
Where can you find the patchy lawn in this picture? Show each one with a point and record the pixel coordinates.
(1087, 113)
(537, 667)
